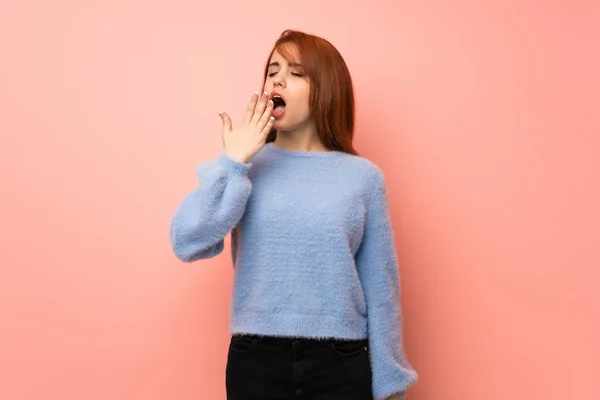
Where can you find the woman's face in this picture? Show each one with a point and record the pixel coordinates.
(289, 88)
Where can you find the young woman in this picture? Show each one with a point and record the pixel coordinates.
(316, 305)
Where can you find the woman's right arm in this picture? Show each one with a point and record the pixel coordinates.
(212, 210)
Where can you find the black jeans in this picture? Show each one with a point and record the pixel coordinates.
(269, 368)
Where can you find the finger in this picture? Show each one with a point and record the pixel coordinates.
(260, 107)
(266, 114)
(226, 121)
(268, 127)
(250, 108)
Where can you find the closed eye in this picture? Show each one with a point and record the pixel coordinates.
(272, 74)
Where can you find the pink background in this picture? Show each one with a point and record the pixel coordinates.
(483, 115)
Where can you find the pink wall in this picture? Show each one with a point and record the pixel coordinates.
(483, 115)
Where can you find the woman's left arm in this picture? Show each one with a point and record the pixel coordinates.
(377, 267)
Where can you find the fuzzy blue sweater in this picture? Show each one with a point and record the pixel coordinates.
(312, 248)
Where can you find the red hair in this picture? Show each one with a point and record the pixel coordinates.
(331, 98)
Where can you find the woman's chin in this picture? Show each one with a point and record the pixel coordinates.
(280, 125)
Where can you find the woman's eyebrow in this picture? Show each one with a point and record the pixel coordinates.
(293, 65)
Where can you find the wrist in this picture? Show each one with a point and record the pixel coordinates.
(236, 157)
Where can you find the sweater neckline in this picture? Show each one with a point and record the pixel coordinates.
(303, 154)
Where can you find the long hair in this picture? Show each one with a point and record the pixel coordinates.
(331, 99)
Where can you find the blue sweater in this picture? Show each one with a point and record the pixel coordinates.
(312, 248)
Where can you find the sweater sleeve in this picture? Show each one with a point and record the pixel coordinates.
(378, 271)
(206, 215)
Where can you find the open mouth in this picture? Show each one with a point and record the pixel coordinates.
(278, 105)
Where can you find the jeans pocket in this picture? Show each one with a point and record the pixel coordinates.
(346, 348)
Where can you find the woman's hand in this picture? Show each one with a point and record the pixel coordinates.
(243, 143)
